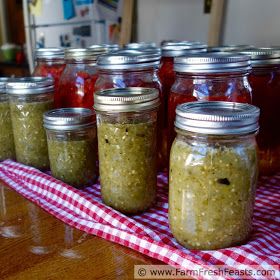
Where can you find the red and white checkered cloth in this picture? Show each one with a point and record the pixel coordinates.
(149, 233)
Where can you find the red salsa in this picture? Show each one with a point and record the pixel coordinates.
(265, 83)
(50, 63)
(76, 87)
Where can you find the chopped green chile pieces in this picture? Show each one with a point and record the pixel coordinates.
(127, 159)
(7, 149)
(212, 193)
(29, 133)
(73, 161)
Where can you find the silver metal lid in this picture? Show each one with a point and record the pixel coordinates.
(49, 53)
(140, 45)
(69, 118)
(263, 56)
(89, 54)
(178, 42)
(126, 99)
(229, 48)
(213, 63)
(111, 47)
(217, 118)
(180, 49)
(30, 85)
(128, 59)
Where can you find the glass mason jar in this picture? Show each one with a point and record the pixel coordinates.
(76, 86)
(208, 77)
(50, 63)
(265, 83)
(140, 45)
(134, 68)
(72, 145)
(127, 130)
(29, 99)
(213, 174)
(7, 149)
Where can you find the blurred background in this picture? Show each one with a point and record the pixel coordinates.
(29, 24)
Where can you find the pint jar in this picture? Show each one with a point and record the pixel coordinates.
(265, 82)
(50, 63)
(127, 130)
(208, 77)
(29, 99)
(213, 174)
(76, 86)
(7, 149)
(72, 145)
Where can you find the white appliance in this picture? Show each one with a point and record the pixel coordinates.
(62, 23)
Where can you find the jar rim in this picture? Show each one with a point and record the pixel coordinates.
(126, 99)
(217, 117)
(69, 118)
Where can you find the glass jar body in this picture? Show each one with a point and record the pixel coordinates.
(7, 149)
(265, 83)
(29, 134)
(206, 87)
(212, 189)
(139, 78)
(73, 155)
(127, 159)
(76, 86)
(51, 68)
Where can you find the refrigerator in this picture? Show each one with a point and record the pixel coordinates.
(68, 23)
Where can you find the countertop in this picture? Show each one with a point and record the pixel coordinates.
(35, 245)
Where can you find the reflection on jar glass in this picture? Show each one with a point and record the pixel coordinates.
(127, 129)
(213, 174)
(29, 99)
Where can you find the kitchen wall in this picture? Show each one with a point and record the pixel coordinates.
(254, 22)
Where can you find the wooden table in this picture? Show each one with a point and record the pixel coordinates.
(35, 245)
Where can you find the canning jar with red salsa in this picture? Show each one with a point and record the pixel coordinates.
(76, 86)
(50, 63)
(265, 82)
(134, 68)
(208, 77)
(169, 51)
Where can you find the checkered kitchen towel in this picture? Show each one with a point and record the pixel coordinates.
(149, 233)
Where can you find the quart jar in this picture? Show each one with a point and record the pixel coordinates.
(213, 174)
(76, 86)
(127, 130)
(229, 48)
(29, 99)
(265, 83)
(72, 145)
(7, 149)
(50, 63)
(134, 68)
(208, 77)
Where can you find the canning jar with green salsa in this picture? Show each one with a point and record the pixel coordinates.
(213, 174)
(72, 145)
(127, 129)
(29, 99)
(7, 149)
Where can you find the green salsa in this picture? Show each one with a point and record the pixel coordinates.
(7, 149)
(73, 161)
(127, 160)
(211, 196)
(29, 133)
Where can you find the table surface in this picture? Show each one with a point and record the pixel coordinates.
(35, 245)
